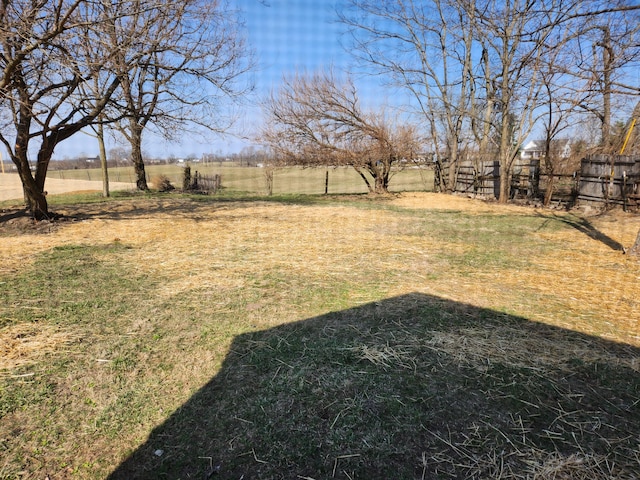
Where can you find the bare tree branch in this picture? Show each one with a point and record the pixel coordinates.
(317, 121)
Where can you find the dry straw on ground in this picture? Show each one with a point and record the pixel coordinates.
(582, 284)
(219, 246)
(26, 343)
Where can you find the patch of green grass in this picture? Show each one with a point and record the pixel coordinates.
(490, 241)
(82, 293)
(69, 285)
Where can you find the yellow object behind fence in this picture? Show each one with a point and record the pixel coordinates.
(626, 140)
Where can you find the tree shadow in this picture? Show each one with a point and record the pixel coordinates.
(13, 214)
(414, 386)
(136, 206)
(584, 226)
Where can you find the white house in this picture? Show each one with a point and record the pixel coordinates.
(534, 150)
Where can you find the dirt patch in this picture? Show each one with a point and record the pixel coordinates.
(19, 222)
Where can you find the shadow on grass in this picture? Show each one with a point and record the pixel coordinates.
(585, 226)
(129, 206)
(410, 387)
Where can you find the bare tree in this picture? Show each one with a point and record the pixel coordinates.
(471, 65)
(427, 49)
(191, 57)
(54, 54)
(605, 50)
(41, 75)
(317, 121)
(518, 36)
(479, 65)
(559, 101)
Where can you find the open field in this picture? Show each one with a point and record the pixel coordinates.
(250, 180)
(294, 180)
(417, 336)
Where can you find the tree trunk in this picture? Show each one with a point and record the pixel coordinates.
(136, 157)
(34, 196)
(33, 187)
(453, 166)
(268, 177)
(550, 170)
(380, 173)
(635, 249)
(103, 161)
(505, 164)
(382, 186)
(607, 61)
(505, 182)
(450, 185)
(549, 191)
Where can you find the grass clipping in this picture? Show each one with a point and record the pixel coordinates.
(26, 343)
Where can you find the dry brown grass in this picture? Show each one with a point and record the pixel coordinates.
(235, 249)
(202, 246)
(26, 343)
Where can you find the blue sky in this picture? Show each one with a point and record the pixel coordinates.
(299, 36)
(290, 36)
(287, 37)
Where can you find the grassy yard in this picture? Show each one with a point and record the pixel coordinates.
(287, 180)
(417, 336)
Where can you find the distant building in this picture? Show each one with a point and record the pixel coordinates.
(89, 159)
(534, 150)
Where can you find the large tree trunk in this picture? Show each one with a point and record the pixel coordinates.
(453, 166)
(136, 156)
(382, 186)
(551, 180)
(34, 197)
(450, 185)
(380, 172)
(33, 187)
(505, 164)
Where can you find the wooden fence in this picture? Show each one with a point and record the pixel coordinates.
(602, 179)
(610, 179)
(471, 177)
(205, 183)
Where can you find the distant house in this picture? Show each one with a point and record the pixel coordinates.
(88, 159)
(534, 150)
